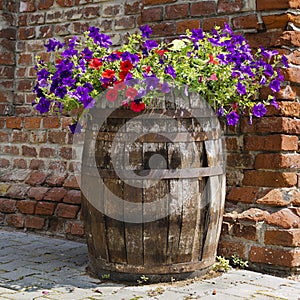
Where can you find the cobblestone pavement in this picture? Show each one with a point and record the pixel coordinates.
(38, 267)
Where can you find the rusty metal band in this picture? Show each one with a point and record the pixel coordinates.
(155, 174)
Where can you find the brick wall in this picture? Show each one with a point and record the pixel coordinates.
(38, 190)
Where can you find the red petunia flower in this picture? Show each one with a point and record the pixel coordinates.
(160, 52)
(131, 93)
(212, 60)
(95, 63)
(122, 75)
(119, 85)
(147, 68)
(112, 95)
(108, 74)
(137, 107)
(126, 65)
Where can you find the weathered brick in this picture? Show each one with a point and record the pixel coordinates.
(44, 4)
(65, 3)
(55, 194)
(288, 38)
(284, 218)
(4, 188)
(228, 6)
(26, 33)
(45, 208)
(66, 152)
(7, 205)
(163, 29)
(242, 194)
(271, 4)
(14, 122)
(57, 137)
(18, 191)
(177, 11)
(209, 23)
(253, 215)
(29, 151)
(203, 8)
(240, 160)
(27, 6)
(246, 22)
(32, 122)
(265, 39)
(36, 178)
(73, 197)
(47, 152)
(275, 21)
(183, 26)
(132, 7)
(75, 228)
(277, 161)
(154, 2)
(37, 193)
(247, 232)
(26, 206)
(13, 150)
(67, 211)
(124, 22)
(152, 14)
(71, 182)
(229, 248)
(56, 179)
(277, 257)
(37, 164)
(15, 220)
(271, 142)
(289, 238)
(34, 222)
(269, 179)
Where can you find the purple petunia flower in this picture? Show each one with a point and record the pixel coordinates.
(165, 88)
(263, 80)
(274, 103)
(232, 118)
(100, 39)
(43, 106)
(87, 53)
(268, 70)
(241, 88)
(82, 95)
(197, 34)
(284, 60)
(133, 58)
(150, 44)
(60, 91)
(220, 112)
(170, 70)
(259, 110)
(53, 45)
(268, 53)
(151, 82)
(275, 85)
(75, 127)
(146, 31)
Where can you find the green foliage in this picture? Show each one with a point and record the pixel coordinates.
(143, 280)
(238, 262)
(222, 264)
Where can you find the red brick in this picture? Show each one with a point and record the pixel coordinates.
(277, 161)
(37, 193)
(66, 152)
(32, 122)
(203, 8)
(44, 4)
(14, 150)
(292, 74)
(18, 191)
(73, 197)
(284, 218)
(7, 205)
(14, 122)
(7, 59)
(265, 39)
(228, 6)
(271, 4)
(4, 137)
(77, 228)
(67, 211)
(25, 59)
(29, 151)
(154, 2)
(289, 238)
(294, 4)
(229, 248)
(277, 257)
(26, 206)
(55, 194)
(111, 10)
(289, 38)
(177, 11)
(71, 182)
(240, 160)
(274, 197)
(45, 32)
(126, 22)
(4, 163)
(275, 21)
(34, 222)
(242, 194)
(246, 22)
(183, 26)
(20, 137)
(58, 166)
(272, 142)
(51, 122)
(296, 198)
(210, 23)
(45, 208)
(15, 221)
(36, 178)
(269, 179)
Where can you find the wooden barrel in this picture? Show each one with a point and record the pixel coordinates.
(153, 204)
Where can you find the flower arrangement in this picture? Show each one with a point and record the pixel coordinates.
(219, 65)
